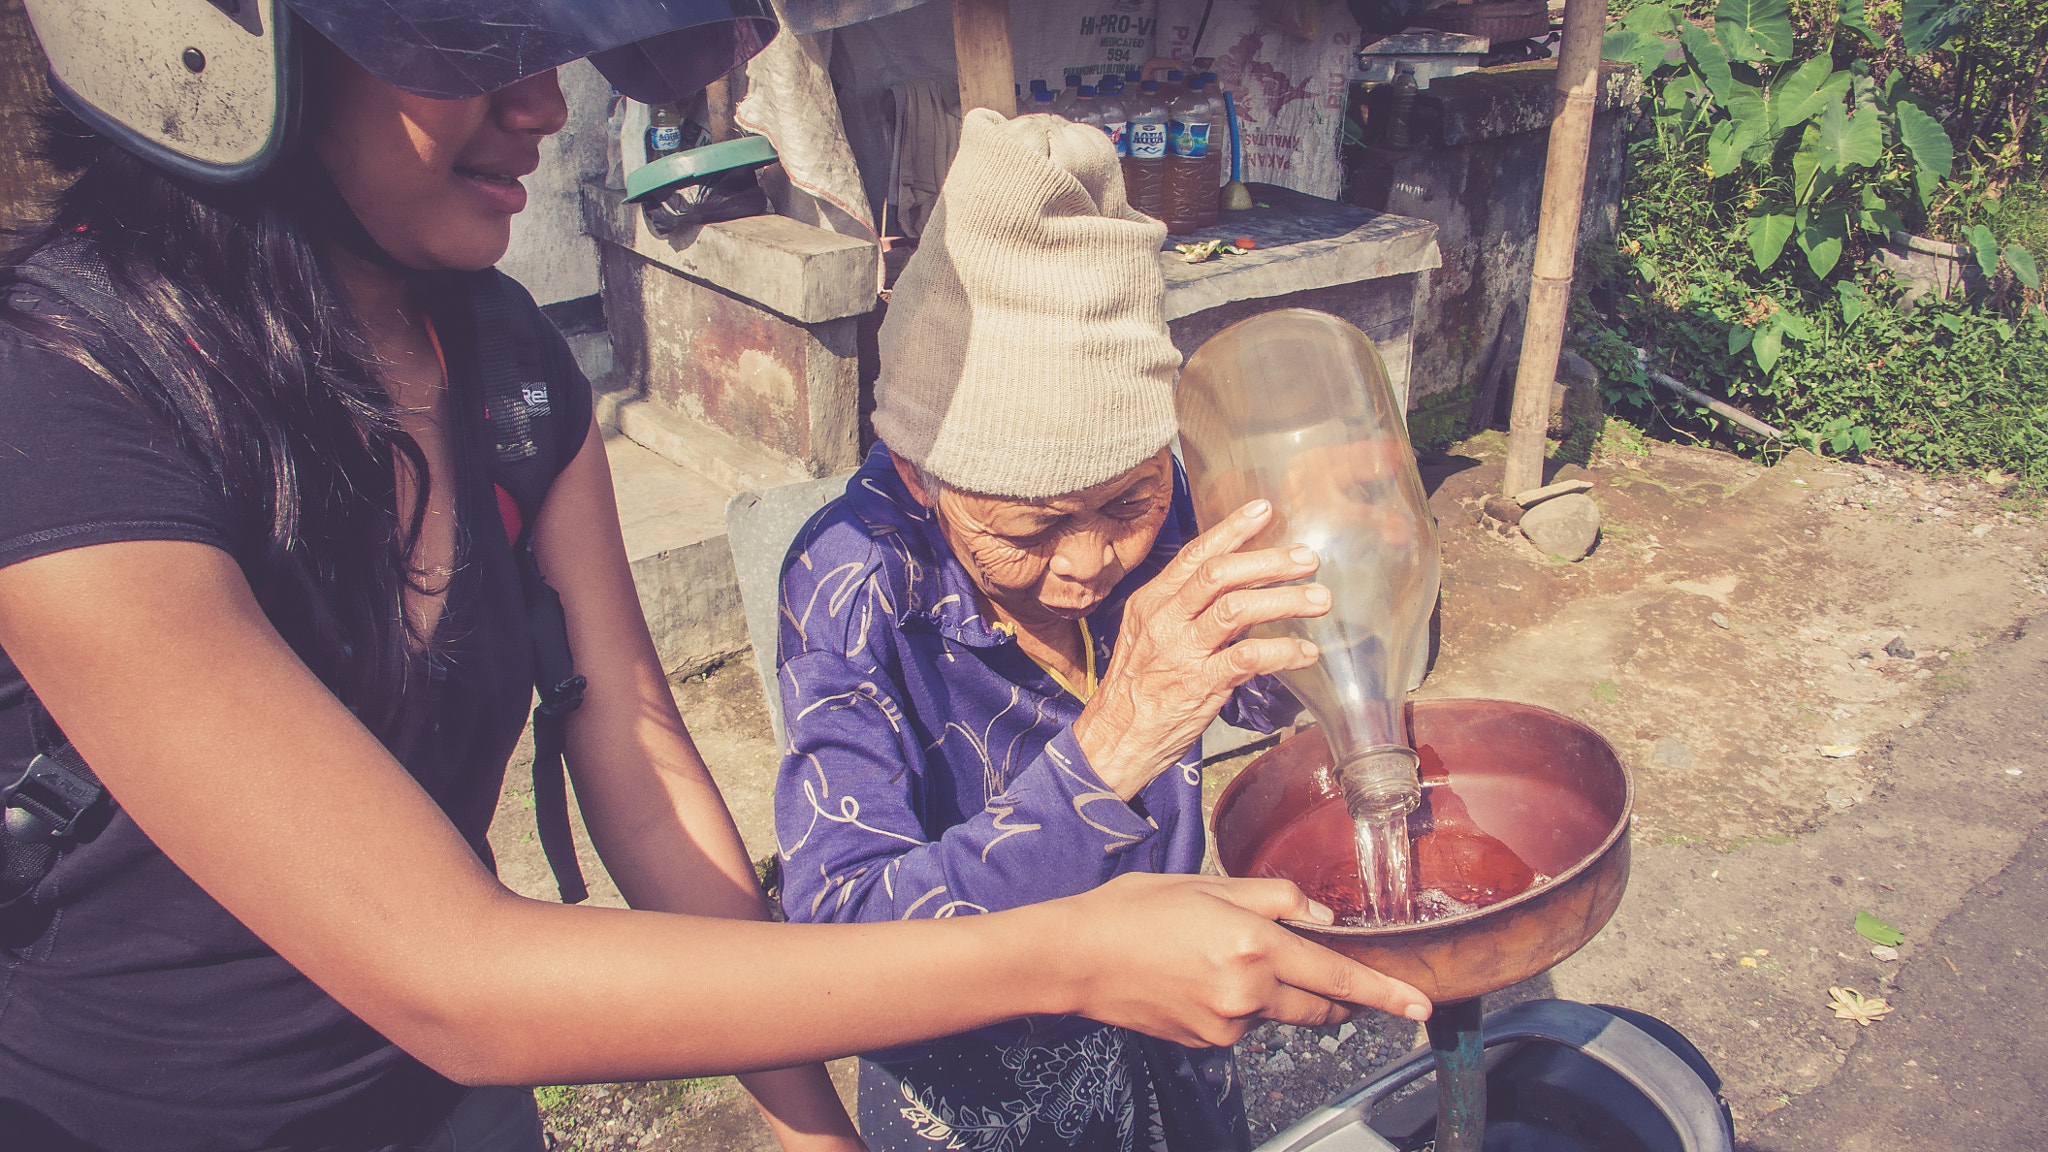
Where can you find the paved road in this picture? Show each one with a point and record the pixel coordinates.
(1963, 1062)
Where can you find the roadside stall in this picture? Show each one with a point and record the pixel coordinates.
(744, 348)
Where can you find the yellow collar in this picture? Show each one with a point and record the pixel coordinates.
(1087, 689)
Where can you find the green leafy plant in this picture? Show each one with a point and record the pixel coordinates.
(1823, 150)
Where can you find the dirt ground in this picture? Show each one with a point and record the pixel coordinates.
(1761, 645)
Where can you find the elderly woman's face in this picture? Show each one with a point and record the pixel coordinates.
(1060, 557)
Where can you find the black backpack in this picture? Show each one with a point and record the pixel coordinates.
(58, 803)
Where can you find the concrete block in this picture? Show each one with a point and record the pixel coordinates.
(1510, 100)
(674, 527)
(1485, 193)
(1382, 308)
(732, 465)
(760, 526)
(1304, 243)
(802, 272)
(745, 370)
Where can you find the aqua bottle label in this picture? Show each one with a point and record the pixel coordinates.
(1148, 140)
(663, 139)
(1119, 134)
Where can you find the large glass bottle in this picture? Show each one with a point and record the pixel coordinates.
(1295, 406)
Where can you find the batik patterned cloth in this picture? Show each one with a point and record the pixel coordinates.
(931, 767)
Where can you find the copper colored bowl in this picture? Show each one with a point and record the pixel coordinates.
(1548, 786)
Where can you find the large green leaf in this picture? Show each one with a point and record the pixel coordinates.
(1808, 162)
(1750, 111)
(1848, 140)
(1926, 24)
(1986, 248)
(1709, 59)
(1855, 301)
(1821, 235)
(2022, 262)
(1768, 231)
(1724, 149)
(1655, 19)
(1806, 92)
(1755, 29)
(1641, 49)
(1857, 20)
(1768, 344)
(1933, 155)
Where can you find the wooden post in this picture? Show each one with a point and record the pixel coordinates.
(981, 45)
(1557, 240)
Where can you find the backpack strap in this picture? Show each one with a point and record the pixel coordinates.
(56, 803)
(519, 370)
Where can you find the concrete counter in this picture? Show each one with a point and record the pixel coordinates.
(1353, 262)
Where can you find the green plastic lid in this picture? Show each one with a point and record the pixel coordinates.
(681, 168)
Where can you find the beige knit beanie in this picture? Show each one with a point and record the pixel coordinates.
(1025, 352)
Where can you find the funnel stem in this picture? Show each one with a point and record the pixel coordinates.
(1455, 1039)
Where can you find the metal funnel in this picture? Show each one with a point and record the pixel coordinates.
(1545, 785)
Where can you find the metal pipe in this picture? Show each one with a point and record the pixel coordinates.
(1722, 407)
(1557, 240)
(1455, 1039)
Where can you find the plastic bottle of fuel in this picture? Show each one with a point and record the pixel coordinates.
(1191, 121)
(664, 131)
(1041, 100)
(1111, 115)
(1065, 97)
(1145, 164)
(1191, 162)
(1086, 107)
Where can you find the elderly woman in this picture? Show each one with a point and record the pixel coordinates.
(999, 649)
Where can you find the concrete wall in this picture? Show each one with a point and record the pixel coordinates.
(726, 362)
(1383, 309)
(1477, 172)
(550, 253)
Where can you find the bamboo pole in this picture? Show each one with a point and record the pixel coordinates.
(981, 47)
(1557, 240)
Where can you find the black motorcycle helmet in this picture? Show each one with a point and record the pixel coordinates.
(208, 89)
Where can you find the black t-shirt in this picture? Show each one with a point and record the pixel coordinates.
(146, 1017)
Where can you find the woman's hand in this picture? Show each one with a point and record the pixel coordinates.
(1198, 959)
(1179, 657)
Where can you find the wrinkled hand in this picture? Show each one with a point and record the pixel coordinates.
(1198, 959)
(1178, 655)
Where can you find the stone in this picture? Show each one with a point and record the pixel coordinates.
(1329, 1044)
(805, 273)
(1897, 649)
(1504, 510)
(1535, 496)
(1564, 526)
(1281, 1062)
(1346, 1031)
(1719, 620)
(1671, 754)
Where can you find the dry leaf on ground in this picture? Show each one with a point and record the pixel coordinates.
(1849, 1004)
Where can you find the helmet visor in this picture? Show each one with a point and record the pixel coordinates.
(654, 51)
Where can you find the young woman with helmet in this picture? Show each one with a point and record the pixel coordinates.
(253, 582)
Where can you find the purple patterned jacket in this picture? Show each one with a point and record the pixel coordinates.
(931, 767)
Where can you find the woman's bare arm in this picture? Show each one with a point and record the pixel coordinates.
(653, 811)
(246, 771)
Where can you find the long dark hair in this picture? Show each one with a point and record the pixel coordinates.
(266, 378)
